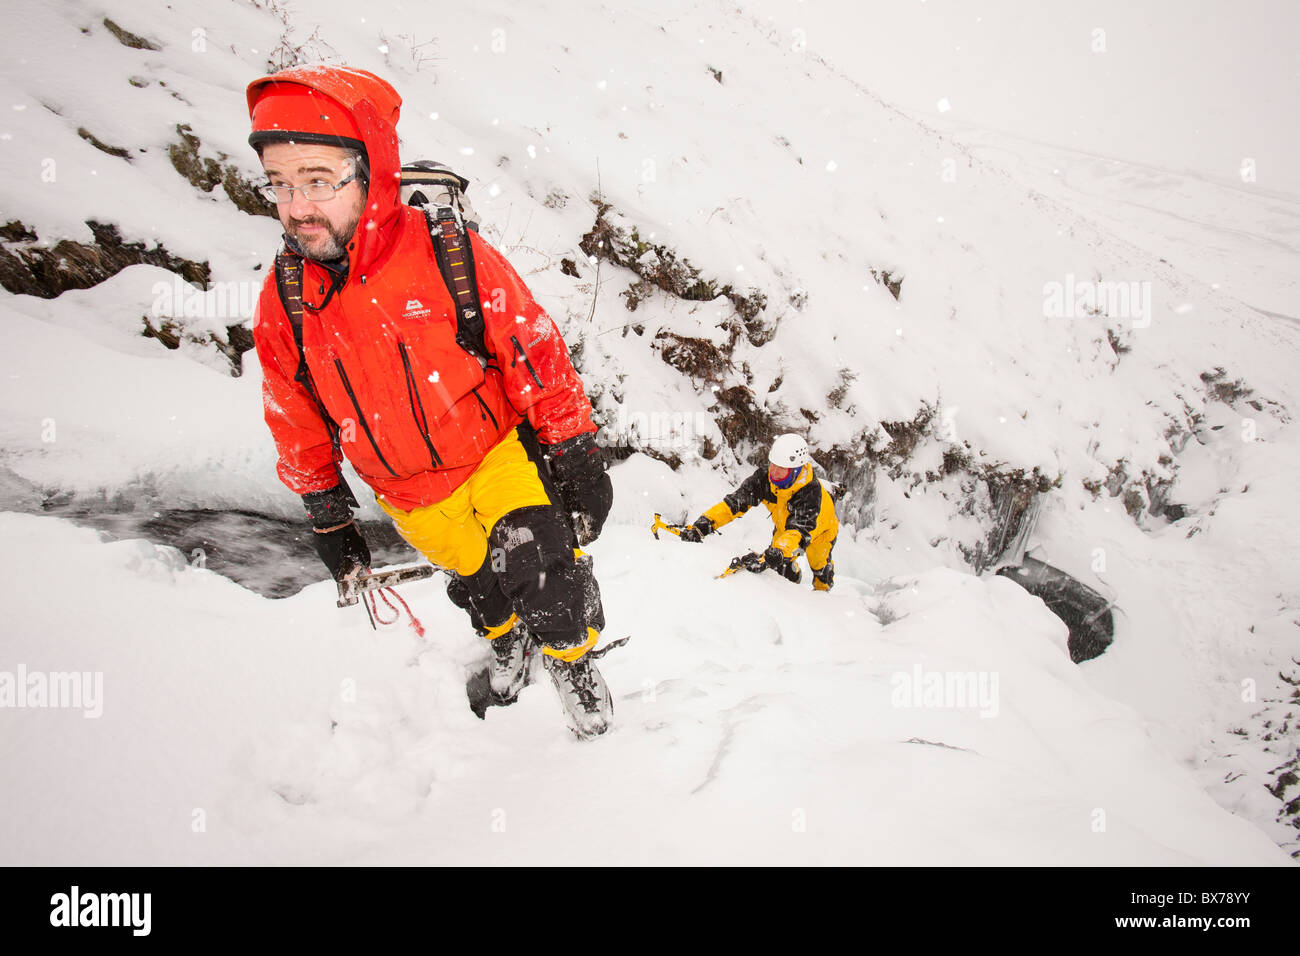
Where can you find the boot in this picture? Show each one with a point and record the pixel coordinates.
(824, 579)
(583, 693)
(508, 671)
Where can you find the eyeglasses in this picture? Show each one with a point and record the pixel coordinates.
(316, 191)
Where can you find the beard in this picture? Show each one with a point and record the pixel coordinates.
(324, 246)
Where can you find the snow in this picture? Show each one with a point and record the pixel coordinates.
(126, 419)
(1157, 84)
(758, 728)
(755, 721)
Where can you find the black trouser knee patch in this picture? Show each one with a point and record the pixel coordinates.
(557, 597)
(481, 596)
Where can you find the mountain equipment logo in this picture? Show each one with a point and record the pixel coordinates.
(415, 309)
(102, 909)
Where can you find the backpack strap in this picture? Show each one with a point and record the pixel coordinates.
(451, 248)
(288, 282)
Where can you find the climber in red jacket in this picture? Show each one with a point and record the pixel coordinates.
(488, 466)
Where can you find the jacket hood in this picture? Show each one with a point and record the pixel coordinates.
(372, 107)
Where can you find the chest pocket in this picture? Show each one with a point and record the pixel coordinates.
(439, 373)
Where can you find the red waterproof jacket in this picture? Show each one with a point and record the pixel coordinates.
(417, 413)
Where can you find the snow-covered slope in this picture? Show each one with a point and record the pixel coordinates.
(753, 727)
(782, 179)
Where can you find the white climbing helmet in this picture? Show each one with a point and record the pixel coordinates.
(789, 451)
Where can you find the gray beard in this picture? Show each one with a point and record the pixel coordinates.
(333, 245)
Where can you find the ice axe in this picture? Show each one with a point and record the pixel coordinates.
(362, 582)
(745, 562)
(353, 585)
(660, 524)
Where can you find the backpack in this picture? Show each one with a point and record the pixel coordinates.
(440, 193)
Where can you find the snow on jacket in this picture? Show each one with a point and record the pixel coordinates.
(416, 412)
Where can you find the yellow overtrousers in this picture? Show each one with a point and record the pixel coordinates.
(453, 533)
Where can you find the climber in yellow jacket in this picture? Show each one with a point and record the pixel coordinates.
(802, 511)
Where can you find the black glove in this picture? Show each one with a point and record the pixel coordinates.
(335, 535)
(775, 559)
(698, 531)
(343, 550)
(750, 562)
(578, 470)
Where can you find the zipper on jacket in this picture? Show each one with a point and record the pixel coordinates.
(417, 406)
(485, 408)
(338, 364)
(519, 350)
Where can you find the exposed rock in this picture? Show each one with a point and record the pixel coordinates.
(238, 340)
(745, 427)
(30, 268)
(890, 281)
(90, 138)
(1133, 502)
(1117, 344)
(15, 231)
(903, 439)
(657, 266)
(696, 357)
(835, 398)
(854, 473)
(206, 174)
(1219, 389)
(1085, 613)
(127, 38)
(1116, 478)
